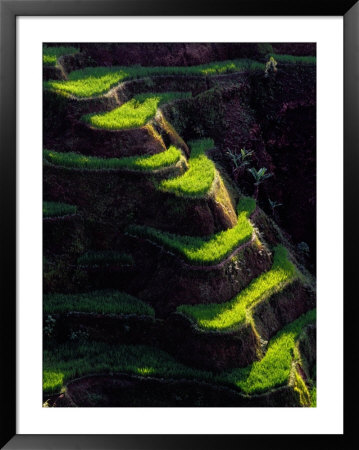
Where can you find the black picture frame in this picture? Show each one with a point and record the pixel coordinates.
(9, 10)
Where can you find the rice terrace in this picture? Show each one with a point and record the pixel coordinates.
(179, 225)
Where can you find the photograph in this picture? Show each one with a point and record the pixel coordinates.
(179, 228)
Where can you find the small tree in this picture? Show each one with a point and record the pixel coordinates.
(240, 160)
(274, 205)
(259, 176)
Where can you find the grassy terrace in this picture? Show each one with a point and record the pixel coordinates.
(94, 81)
(102, 302)
(93, 258)
(208, 250)
(224, 316)
(274, 368)
(143, 163)
(134, 113)
(292, 59)
(50, 55)
(197, 181)
(57, 209)
(69, 361)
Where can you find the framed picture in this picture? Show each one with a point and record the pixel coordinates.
(173, 188)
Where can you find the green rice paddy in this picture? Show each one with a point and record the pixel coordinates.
(198, 179)
(50, 55)
(206, 250)
(57, 209)
(146, 163)
(224, 316)
(94, 81)
(69, 361)
(101, 302)
(274, 368)
(134, 113)
(293, 59)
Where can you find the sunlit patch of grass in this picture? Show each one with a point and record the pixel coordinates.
(57, 209)
(206, 250)
(145, 370)
(94, 81)
(293, 59)
(223, 316)
(134, 113)
(69, 361)
(197, 181)
(146, 163)
(50, 55)
(93, 258)
(101, 302)
(52, 381)
(274, 368)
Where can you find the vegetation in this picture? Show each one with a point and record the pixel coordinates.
(93, 258)
(197, 181)
(94, 81)
(271, 66)
(274, 368)
(313, 396)
(102, 302)
(134, 113)
(224, 316)
(239, 160)
(146, 163)
(50, 55)
(206, 250)
(259, 176)
(72, 353)
(57, 209)
(69, 361)
(265, 48)
(293, 59)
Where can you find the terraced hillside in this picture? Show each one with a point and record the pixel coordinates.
(165, 282)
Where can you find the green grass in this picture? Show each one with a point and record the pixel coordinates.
(134, 113)
(197, 181)
(313, 396)
(93, 258)
(94, 81)
(69, 361)
(102, 302)
(57, 209)
(143, 163)
(207, 250)
(224, 316)
(50, 55)
(292, 59)
(274, 368)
